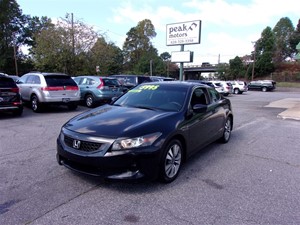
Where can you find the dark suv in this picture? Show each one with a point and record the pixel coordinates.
(10, 98)
(130, 81)
(262, 85)
(42, 89)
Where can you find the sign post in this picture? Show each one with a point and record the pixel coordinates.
(185, 33)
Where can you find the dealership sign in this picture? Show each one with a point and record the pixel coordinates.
(184, 33)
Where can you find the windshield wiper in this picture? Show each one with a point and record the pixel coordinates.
(145, 107)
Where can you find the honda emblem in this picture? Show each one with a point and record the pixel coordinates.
(76, 144)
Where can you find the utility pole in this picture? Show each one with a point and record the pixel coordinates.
(15, 56)
(150, 67)
(72, 33)
(254, 58)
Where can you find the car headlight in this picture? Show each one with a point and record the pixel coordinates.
(142, 141)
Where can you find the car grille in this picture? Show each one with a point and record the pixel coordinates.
(83, 146)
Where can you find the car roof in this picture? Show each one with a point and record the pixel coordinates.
(92, 76)
(128, 75)
(47, 73)
(177, 84)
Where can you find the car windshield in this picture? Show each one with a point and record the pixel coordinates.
(155, 97)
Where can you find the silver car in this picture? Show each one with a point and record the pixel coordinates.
(42, 89)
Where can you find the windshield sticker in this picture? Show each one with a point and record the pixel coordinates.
(149, 87)
(135, 91)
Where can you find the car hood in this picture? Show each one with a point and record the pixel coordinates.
(116, 121)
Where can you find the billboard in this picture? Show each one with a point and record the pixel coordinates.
(184, 33)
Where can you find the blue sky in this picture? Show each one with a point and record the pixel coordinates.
(228, 26)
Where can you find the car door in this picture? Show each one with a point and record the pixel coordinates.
(24, 84)
(199, 123)
(216, 106)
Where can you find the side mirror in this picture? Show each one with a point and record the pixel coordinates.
(199, 108)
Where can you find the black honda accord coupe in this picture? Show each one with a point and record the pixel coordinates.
(148, 132)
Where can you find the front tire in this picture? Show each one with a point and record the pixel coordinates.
(171, 161)
(236, 91)
(264, 89)
(227, 131)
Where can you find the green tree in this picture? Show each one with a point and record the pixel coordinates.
(223, 72)
(295, 39)
(138, 43)
(236, 68)
(11, 33)
(283, 32)
(149, 61)
(34, 27)
(64, 47)
(107, 56)
(264, 51)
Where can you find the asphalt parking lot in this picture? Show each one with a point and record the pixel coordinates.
(253, 179)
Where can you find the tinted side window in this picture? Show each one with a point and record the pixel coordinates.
(58, 80)
(31, 79)
(214, 95)
(198, 97)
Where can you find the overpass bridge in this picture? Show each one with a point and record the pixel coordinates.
(194, 71)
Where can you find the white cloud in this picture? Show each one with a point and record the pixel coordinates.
(228, 28)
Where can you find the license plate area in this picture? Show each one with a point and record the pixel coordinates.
(66, 100)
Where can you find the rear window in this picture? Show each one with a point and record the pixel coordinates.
(218, 84)
(111, 82)
(59, 80)
(144, 79)
(7, 82)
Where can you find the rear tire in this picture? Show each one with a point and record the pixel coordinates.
(89, 101)
(171, 161)
(35, 104)
(264, 89)
(236, 91)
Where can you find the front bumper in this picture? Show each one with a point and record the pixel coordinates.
(129, 165)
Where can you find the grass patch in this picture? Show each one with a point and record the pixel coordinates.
(288, 84)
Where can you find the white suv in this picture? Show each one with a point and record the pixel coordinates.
(239, 87)
(49, 88)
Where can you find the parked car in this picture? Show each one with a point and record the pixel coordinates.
(96, 89)
(10, 98)
(209, 83)
(239, 86)
(262, 85)
(218, 86)
(146, 133)
(42, 89)
(14, 77)
(159, 78)
(227, 87)
(130, 81)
